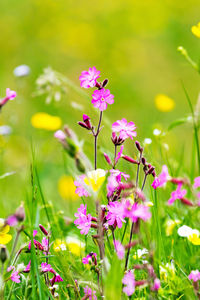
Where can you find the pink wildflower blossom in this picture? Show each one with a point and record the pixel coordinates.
(112, 185)
(177, 194)
(101, 99)
(10, 95)
(115, 214)
(119, 154)
(60, 135)
(83, 220)
(80, 190)
(118, 174)
(119, 249)
(124, 128)
(12, 221)
(194, 275)
(45, 244)
(89, 78)
(136, 211)
(28, 267)
(89, 258)
(156, 285)
(90, 293)
(46, 267)
(14, 275)
(197, 182)
(34, 232)
(129, 281)
(162, 179)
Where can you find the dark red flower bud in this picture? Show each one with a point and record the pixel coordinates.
(107, 159)
(86, 120)
(186, 202)
(129, 159)
(98, 85)
(43, 229)
(105, 82)
(143, 161)
(138, 146)
(20, 213)
(151, 169)
(83, 125)
(153, 174)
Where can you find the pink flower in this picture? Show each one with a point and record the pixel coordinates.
(162, 179)
(119, 154)
(177, 194)
(194, 275)
(12, 221)
(124, 128)
(89, 78)
(136, 211)
(89, 292)
(119, 249)
(115, 214)
(112, 185)
(28, 267)
(56, 277)
(83, 220)
(129, 281)
(118, 174)
(60, 135)
(34, 232)
(197, 182)
(45, 244)
(89, 258)
(101, 99)
(80, 190)
(156, 285)
(46, 267)
(14, 275)
(10, 95)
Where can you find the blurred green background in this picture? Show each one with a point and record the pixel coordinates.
(133, 43)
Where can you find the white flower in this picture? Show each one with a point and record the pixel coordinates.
(186, 231)
(147, 141)
(21, 71)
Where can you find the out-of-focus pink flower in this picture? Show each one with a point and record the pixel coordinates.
(177, 194)
(194, 275)
(115, 214)
(162, 179)
(46, 267)
(118, 174)
(83, 220)
(124, 128)
(45, 244)
(28, 267)
(129, 282)
(120, 250)
(156, 285)
(89, 78)
(112, 185)
(10, 95)
(56, 277)
(34, 232)
(89, 258)
(60, 135)
(14, 275)
(136, 211)
(12, 221)
(197, 182)
(90, 293)
(119, 154)
(80, 190)
(101, 99)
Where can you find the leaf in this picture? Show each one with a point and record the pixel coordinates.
(178, 123)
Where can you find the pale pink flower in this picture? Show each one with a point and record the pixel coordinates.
(101, 99)
(46, 267)
(14, 275)
(89, 258)
(118, 174)
(80, 187)
(177, 194)
(12, 221)
(136, 211)
(60, 135)
(194, 275)
(156, 285)
(115, 214)
(89, 78)
(83, 220)
(90, 293)
(124, 128)
(112, 185)
(45, 244)
(162, 179)
(120, 250)
(197, 182)
(129, 282)
(10, 94)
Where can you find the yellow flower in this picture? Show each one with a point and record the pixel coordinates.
(66, 188)
(194, 238)
(59, 245)
(4, 236)
(164, 103)
(74, 245)
(196, 30)
(95, 179)
(170, 225)
(45, 121)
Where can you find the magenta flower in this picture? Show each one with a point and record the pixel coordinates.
(112, 185)
(10, 95)
(156, 285)
(129, 281)
(194, 275)
(12, 221)
(14, 275)
(101, 99)
(89, 78)
(45, 244)
(28, 267)
(46, 267)
(89, 293)
(124, 128)
(120, 250)
(56, 277)
(140, 211)
(83, 220)
(89, 258)
(80, 190)
(177, 194)
(115, 214)
(162, 179)
(34, 232)
(197, 182)
(118, 174)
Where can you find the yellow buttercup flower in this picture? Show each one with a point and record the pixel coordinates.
(194, 239)
(66, 188)
(164, 103)
(75, 246)
(196, 30)
(170, 225)
(59, 245)
(95, 179)
(45, 121)
(4, 236)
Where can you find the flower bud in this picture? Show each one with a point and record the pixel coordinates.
(20, 213)
(151, 169)
(82, 125)
(105, 82)
(43, 229)
(3, 254)
(138, 146)
(129, 159)
(143, 161)
(86, 120)
(186, 202)
(107, 159)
